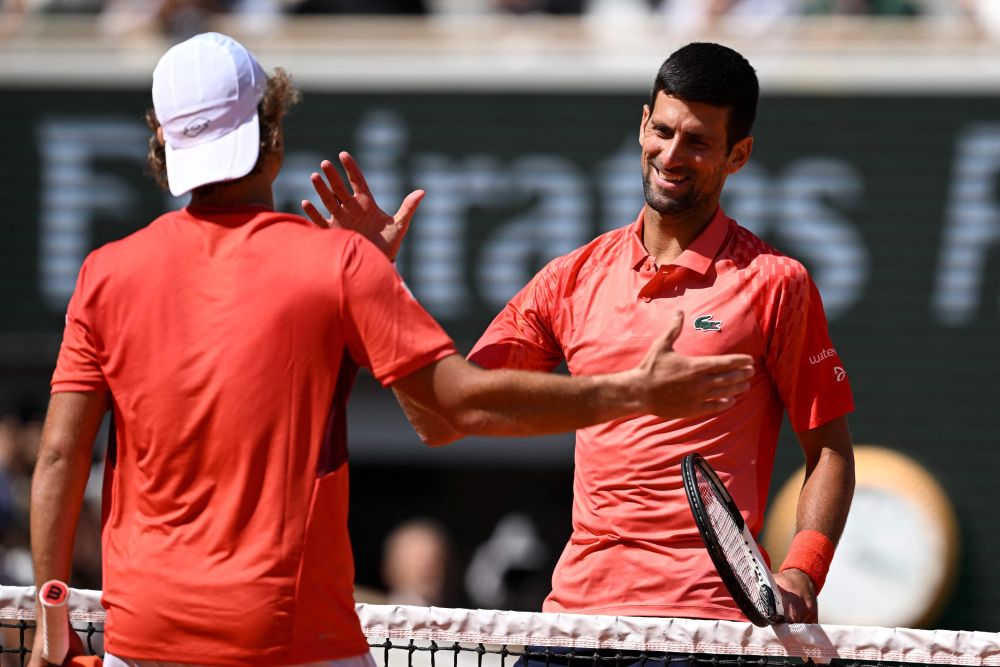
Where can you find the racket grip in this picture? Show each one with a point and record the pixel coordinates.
(54, 624)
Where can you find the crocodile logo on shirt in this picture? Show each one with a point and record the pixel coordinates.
(706, 323)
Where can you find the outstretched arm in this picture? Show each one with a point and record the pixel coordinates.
(824, 502)
(472, 401)
(57, 488)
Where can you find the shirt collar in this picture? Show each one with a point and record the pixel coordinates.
(698, 256)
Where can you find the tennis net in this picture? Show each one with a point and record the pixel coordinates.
(405, 636)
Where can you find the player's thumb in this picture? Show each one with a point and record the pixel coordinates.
(673, 330)
(408, 208)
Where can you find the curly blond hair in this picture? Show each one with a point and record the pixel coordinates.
(280, 95)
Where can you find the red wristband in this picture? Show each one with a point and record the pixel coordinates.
(811, 551)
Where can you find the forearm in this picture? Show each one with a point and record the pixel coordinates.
(469, 400)
(824, 502)
(825, 498)
(56, 499)
(60, 479)
(508, 402)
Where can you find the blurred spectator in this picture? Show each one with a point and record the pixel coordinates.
(415, 562)
(864, 7)
(57, 6)
(20, 430)
(20, 434)
(358, 7)
(986, 13)
(540, 6)
(693, 15)
(511, 570)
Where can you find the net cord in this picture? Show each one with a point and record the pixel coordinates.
(674, 635)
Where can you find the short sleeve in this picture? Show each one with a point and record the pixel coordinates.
(522, 334)
(387, 331)
(78, 367)
(802, 361)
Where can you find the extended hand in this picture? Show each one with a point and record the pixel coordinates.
(683, 386)
(358, 211)
(798, 596)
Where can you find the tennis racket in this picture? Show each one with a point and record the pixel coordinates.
(730, 544)
(54, 626)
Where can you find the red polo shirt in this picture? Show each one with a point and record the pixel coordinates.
(635, 549)
(229, 340)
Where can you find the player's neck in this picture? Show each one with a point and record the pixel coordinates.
(665, 237)
(243, 192)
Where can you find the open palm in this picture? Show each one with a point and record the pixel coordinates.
(356, 208)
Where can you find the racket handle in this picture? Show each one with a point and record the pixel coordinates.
(53, 596)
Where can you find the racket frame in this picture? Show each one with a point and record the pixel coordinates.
(769, 591)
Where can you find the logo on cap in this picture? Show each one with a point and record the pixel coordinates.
(196, 127)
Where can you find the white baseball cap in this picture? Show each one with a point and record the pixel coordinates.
(205, 95)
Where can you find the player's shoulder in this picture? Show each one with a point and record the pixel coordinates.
(754, 258)
(591, 260)
(131, 248)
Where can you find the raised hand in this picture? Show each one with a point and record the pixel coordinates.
(356, 209)
(683, 386)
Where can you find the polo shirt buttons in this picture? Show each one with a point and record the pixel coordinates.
(647, 299)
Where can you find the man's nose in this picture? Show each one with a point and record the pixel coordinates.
(671, 153)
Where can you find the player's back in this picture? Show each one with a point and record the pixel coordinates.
(220, 338)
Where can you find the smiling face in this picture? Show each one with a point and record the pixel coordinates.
(686, 156)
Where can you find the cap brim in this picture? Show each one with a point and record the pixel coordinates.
(227, 158)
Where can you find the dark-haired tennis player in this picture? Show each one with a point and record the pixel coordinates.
(635, 549)
(224, 338)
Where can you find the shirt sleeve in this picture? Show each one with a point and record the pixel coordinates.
(523, 335)
(78, 367)
(801, 359)
(387, 331)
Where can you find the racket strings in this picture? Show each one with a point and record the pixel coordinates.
(734, 547)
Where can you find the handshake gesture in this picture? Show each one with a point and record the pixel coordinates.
(666, 383)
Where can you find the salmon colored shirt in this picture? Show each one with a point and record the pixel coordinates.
(635, 549)
(228, 340)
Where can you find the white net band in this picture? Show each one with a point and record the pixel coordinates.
(627, 633)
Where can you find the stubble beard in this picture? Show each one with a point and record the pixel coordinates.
(689, 203)
(664, 204)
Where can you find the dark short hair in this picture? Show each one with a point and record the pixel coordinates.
(280, 95)
(712, 74)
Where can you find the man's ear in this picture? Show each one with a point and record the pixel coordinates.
(646, 112)
(739, 155)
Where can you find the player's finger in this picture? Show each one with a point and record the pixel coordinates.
(313, 214)
(724, 362)
(713, 406)
(354, 175)
(326, 195)
(336, 182)
(731, 376)
(730, 390)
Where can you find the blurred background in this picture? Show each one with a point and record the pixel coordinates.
(876, 162)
